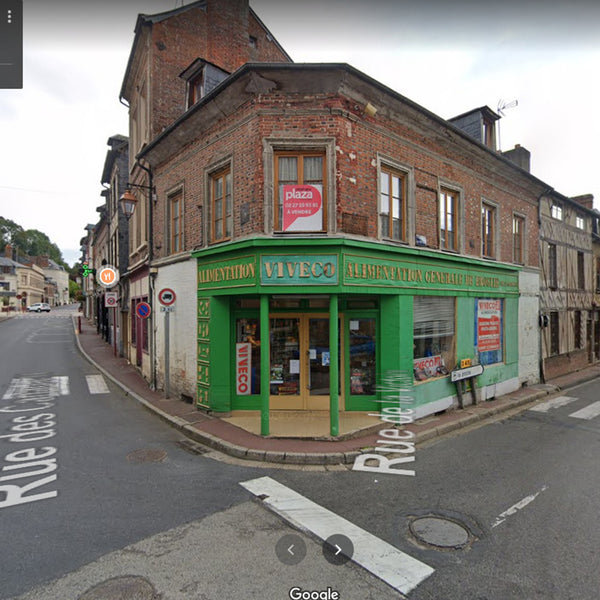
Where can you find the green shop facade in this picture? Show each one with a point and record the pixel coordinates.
(314, 324)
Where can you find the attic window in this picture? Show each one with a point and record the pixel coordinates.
(195, 88)
(252, 41)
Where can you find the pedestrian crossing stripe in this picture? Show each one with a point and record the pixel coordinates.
(544, 407)
(588, 412)
(96, 384)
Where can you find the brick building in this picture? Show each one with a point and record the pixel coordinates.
(341, 231)
(177, 58)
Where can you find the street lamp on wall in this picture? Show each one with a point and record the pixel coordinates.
(128, 202)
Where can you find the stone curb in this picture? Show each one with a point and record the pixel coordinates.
(316, 458)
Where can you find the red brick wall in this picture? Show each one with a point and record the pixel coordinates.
(357, 141)
(219, 34)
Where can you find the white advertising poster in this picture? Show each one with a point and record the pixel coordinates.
(302, 207)
(243, 369)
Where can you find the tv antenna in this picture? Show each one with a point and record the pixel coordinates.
(502, 106)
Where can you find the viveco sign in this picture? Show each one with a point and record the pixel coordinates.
(299, 270)
(30, 466)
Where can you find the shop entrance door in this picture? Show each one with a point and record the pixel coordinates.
(300, 362)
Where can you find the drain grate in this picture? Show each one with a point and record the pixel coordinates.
(147, 455)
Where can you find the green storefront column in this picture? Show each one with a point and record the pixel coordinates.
(221, 389)
(265, 370)
(334, 408)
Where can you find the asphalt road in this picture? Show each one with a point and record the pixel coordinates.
(132, 502)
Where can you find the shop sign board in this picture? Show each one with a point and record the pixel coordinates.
(231, 273)
(243, 368)
(370, 271)
(302, 208)
(107, 276)
(287, 269)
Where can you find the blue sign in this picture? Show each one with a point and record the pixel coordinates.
(143, 310)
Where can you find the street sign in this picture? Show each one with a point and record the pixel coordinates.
(107, 276)
(166, 297)
(460, 374)
(167, 309)
(110, 299)
(143, 310)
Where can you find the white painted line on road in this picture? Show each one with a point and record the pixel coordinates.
(52, 387)
(397, 569)
(552, 403)
(516, 507)
(587, 413)
(96, 384)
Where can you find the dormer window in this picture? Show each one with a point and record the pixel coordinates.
(202, 77)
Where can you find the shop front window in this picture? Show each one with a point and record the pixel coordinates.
(285, 357)
(247, 350)
(363, 365)
(434, 319)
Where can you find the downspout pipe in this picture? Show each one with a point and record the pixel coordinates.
(541, 257)
(150, 275)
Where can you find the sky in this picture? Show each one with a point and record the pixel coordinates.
(449, 57)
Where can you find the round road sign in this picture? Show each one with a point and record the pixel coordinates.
(166, 296)
(143, 310)
(107, 276)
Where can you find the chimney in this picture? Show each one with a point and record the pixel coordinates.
(586, 200)
(520, 156)
(8, 251)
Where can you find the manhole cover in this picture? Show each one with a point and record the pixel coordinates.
(147, 455)
(441, 532)
(129, 587)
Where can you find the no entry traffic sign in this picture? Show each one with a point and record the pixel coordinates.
(166, 296)
(110, 299)
(143, 310)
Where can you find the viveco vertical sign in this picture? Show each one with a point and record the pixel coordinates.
(302, 208)
(243, 368)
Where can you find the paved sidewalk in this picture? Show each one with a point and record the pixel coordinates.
(235, 441)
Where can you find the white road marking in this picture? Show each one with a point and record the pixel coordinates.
(397, 569)
(50, 386)
(516, 507)
(96, 384)
(552, 403)
(587, 413)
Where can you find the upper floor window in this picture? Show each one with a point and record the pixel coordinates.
(392, 204)
(579, 222)
(580, 271)
(552, 267)
(488, 230)
(448, 219)
(301, 200)
(175, 222)
(221, 205)
(201, 78)
(556, 212)
(518, 239)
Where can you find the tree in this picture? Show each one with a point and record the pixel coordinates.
(30, 242)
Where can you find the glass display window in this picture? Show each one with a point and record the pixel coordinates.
(433, 336)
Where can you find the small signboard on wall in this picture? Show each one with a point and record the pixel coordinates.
(302, 208)
(243, 368)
